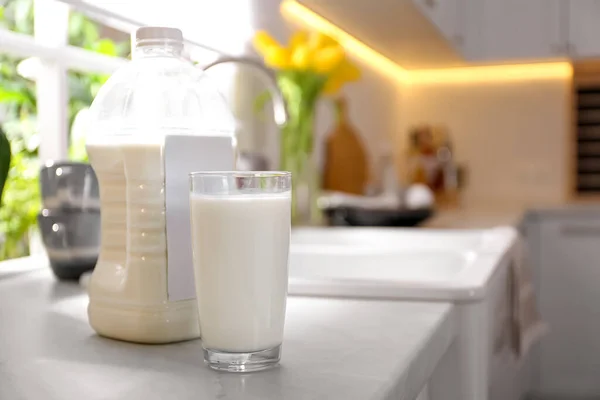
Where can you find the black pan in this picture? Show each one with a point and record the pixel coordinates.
(353, 216)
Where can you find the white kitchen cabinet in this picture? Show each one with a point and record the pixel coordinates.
(501, 30)
(568, 280)
(517, 30)
(445, 15)
(584, 28)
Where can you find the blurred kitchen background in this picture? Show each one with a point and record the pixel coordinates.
(503, 90)
(466, 113)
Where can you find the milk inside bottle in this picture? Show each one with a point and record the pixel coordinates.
(156, 95)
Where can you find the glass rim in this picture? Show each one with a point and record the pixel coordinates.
(242, 174)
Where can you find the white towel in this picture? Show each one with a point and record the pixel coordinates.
(526, 324)
(520, 323)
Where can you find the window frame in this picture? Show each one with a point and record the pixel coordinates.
(50, 44)
(57, 57)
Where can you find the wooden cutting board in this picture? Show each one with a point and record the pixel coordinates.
(346, 167)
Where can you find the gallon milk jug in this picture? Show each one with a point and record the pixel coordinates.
(156, 96)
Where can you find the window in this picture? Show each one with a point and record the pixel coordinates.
(52, 62)
(53, 59)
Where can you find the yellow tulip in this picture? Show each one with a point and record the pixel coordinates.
(263, 42)
(278, 57)
(319, 40)
(347, 71)
(301, 57)
(297, 40)
(333, 85)
(328, 59)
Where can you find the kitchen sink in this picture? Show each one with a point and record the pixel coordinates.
(377, 265)
(395, 263)
(469, 268)
(336, 239)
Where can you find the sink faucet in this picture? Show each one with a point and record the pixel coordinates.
(279, 106)
(247, 161)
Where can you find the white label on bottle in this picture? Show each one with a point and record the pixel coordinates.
(184, 154)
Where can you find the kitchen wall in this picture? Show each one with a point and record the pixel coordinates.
(513, 135)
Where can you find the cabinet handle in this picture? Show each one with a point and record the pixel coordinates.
(580, 230)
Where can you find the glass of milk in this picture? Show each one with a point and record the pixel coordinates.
(240, 241)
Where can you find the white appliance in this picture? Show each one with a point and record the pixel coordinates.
(565, 249)
(466, 267)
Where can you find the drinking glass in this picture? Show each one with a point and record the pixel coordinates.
(240, 241)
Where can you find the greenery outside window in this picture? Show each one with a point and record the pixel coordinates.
(18, 116)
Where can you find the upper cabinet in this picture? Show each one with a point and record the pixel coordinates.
(444, 14)
(535, 30)
(517, 29)
(421, 34)
(500, 30)
(509, 30)
(583, 17)
(532, 30)
(415, 34)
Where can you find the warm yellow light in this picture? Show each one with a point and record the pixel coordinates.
(499, 73)
(304, 15)
(496, 73)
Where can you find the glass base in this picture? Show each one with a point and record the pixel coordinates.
(242, 362)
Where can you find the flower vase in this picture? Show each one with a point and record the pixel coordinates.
(297, 144)
(305, 188)
(311, 66)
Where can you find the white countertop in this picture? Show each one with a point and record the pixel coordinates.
(333, 349)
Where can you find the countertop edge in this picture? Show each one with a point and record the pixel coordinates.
(412, 378)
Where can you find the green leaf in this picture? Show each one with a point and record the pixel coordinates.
(77, 150)
(5, 157)
(95, 88)
(21, 202)
(90, 33)
(76, 21)
(123, 49)
(79, 87)
(23, 14)
(12, 96)
(105, 46)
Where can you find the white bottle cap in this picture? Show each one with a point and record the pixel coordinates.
(153, 33)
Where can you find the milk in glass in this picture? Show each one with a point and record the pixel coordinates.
(240, 246)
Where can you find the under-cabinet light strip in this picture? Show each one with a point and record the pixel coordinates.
(471, 74)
